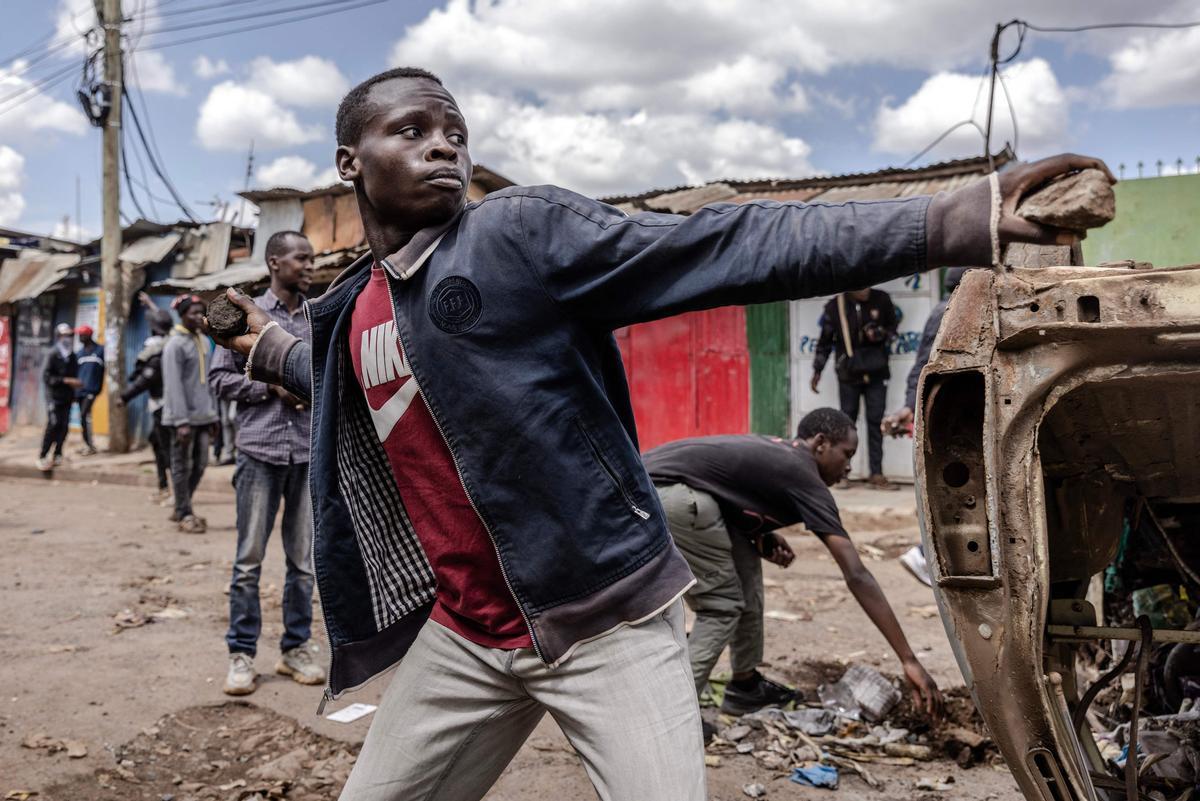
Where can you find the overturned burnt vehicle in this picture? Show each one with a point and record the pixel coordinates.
(1059, 475)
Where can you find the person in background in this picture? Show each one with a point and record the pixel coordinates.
(900, 422)
(91, 380)
(857, 327)
(147, 377)
(272, 467)
(189, 410)
(725, 498)
(60, 377)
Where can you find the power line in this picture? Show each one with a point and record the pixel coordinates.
(129, 182)
(154, 165)
(187, 26)
(32, 89)
(1012, 111)
(205, 7)
(1108, 25)
(942, 136)
(261, 26)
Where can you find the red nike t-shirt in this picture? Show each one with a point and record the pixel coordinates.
(472, 596)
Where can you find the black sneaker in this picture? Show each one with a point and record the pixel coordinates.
(764, 692)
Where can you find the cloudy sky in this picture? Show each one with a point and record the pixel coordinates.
(600, 97)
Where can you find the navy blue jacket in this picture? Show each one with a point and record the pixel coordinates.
(91, 369)
(506, 315)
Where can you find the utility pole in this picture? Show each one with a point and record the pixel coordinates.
(116, 302)
(241, 218)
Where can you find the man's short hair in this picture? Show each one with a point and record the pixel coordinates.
(277, 245)
(835, 424)
(351, 113)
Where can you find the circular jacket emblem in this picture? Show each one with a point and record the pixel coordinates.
(455, 305)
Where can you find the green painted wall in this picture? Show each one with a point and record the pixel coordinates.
(767, 339)
(1158, 220)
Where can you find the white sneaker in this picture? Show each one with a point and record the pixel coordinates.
(240, 678)
(301, 664)
(44, 464)
(914, 560)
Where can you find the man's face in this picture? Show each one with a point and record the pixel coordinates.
(85, 339)
(66, 340)
(411, 161)
(192, 317)
(294, 267)
(833, 458)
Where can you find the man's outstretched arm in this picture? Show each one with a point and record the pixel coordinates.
(613, 270)
(872, 600)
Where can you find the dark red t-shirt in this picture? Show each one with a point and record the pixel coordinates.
(472, 596)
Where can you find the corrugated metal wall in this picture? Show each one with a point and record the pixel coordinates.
(767, 339)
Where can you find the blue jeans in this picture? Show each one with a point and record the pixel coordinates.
(260, 486)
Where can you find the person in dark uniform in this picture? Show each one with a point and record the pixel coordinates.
(857, 327)
(60, 375)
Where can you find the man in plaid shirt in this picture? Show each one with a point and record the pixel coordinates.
(272, 465)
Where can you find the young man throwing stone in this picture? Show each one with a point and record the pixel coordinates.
(482, 516)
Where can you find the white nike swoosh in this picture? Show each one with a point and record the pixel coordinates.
(387, 415)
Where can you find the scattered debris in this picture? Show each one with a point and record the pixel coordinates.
(928, 612)
(754, 790)
(712, 761)
(861, 693)
(41, 741)
(816, 776)
(351, 713)
(201, 753)
(937, 785)
(814, 722)
(788, 617)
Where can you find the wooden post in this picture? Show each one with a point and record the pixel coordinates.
(116, 300)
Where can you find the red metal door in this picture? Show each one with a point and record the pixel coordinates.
(688, 375)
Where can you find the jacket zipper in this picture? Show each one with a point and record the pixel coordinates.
(327, 695)
(612, 474)
(407, 354)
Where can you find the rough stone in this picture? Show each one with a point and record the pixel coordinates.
(1078, 202)
(224, 319)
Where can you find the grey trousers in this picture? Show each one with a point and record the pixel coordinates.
(456, 713)
(728, 595)
(188, 461)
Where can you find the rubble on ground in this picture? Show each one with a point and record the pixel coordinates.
(231, 751)
(827, 731)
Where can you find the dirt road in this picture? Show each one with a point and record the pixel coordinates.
(111, 642)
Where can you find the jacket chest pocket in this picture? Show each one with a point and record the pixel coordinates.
(609, 468)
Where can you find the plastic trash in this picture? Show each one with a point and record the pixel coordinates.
(754, 790)
(813, 722)
(1162, 605)
(816, 776)
(862, 693)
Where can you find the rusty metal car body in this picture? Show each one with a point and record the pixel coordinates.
(1054, 398)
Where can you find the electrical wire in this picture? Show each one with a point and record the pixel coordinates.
(1012, 112)
(261, 26)
(1108, 25)
(136, 81)
(129, 182)
(32, 89)
(187, 26)
(154, 165)
(942, 136)
(204, 7)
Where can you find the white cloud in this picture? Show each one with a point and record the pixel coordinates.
(945, 98)
(154, 74)
(205, 68)
(12, 176)
(607, 153)
(294, 172)
(38, 112)
(307, 81)
(1155, 71)
(232, 115)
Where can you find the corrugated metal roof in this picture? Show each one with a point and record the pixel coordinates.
(237, 274)
(149, 249)
(32, 273)
(771, 187)
(205, 251)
